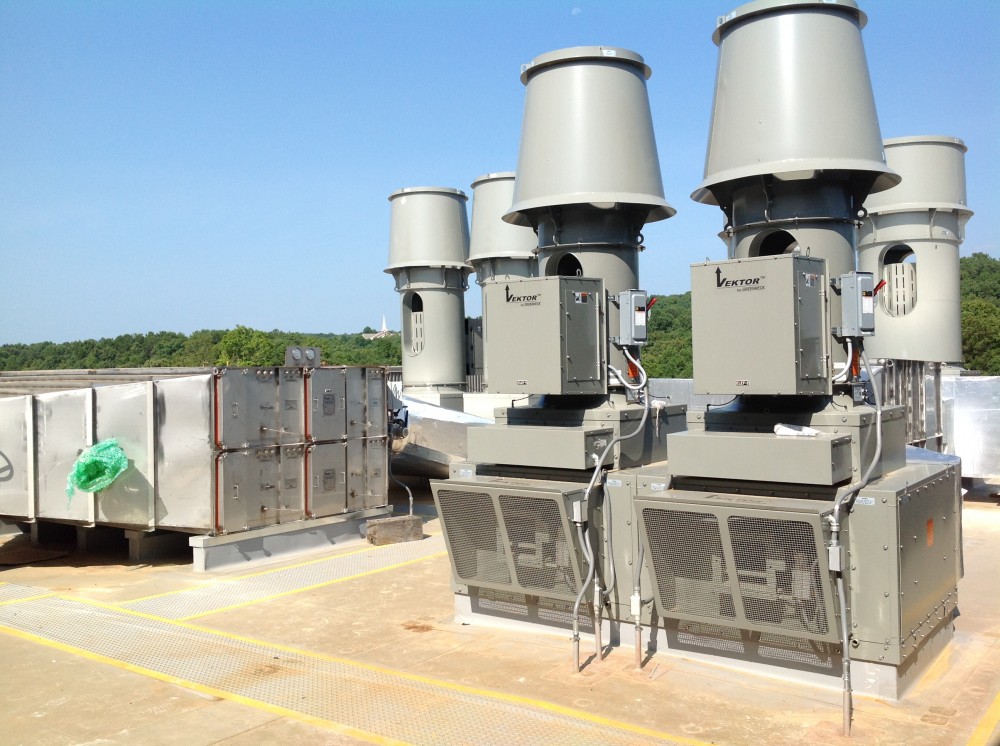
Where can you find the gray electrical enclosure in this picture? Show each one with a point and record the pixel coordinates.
(759, 326)
(857, 309)
(632, 306)
(552, 333)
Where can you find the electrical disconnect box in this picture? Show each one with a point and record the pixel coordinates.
(546, 336)
(759, 326)
(632, 305)
(857, 295)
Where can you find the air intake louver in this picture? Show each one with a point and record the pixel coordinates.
(511, 539)
(751, 568)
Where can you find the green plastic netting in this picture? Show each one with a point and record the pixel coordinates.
(97, 467)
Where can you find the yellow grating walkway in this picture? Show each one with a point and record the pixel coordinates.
(230, 592)
(361, 700)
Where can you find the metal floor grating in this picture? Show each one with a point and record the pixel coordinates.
(13, 592)
(226, 592)
(381, 703)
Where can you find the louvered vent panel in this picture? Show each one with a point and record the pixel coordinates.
(541, 549)
(778, 573)
(688, 562)
(475, 541)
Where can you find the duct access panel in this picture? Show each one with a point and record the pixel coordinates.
(546, 336)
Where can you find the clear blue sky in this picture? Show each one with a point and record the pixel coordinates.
(188, 165)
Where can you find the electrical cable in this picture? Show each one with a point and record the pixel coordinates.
(843, 372)
(585, 544)
(847, 497)
(598, 469)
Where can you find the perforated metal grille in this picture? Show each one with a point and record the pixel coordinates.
(553, 611)
(778, 573)
(539, 545)
(782, 650)
(688, 562)
(474, 540)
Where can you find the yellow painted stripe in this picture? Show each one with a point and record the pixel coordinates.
(221, 694)
(234, 578)
(406, 675)
(253, 601)
(10, 601)
(989, 723)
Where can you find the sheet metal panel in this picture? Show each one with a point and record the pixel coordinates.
(973, 425)
(185, 453)
(292, 490)
(64, 427)
(357, 399)
(357, 486)
(248, 408)
(327, 479)
(248, 482)
(376, 403)
(291, 406)
(16, 456)
(376, 473)
(328, 404)
(126, 413)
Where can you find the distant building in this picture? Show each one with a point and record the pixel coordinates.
(383, 332)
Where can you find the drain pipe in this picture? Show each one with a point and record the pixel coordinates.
(835, 549)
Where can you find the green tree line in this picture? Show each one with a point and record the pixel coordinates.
(667, 355)
(206, 348)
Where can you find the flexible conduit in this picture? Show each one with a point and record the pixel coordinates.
(847, 497)
(585, 539)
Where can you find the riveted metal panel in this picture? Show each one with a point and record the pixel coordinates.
(376, 472)
(328, 404)
(327, 479)
(357, 475)
(357, 401)
(247, 399)
(376, 404)
(291, 406)
(248, 489)
(292, 486)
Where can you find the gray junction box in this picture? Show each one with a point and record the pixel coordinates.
(759, 326)
(556, 324)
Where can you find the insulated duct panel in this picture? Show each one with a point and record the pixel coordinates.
(512, 535)
(762, 567)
